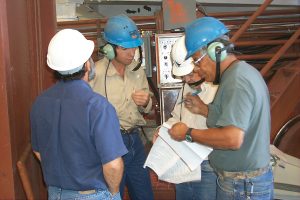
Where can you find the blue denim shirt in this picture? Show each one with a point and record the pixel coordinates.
(76, 131)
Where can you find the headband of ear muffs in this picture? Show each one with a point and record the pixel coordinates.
(218, 55)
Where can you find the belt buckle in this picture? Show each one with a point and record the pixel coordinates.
(124, 131)
(87, 192)
(127, 131)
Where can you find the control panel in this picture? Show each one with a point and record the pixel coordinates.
(164, 43)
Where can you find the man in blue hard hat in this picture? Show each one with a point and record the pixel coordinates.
(74, 131)
(121, 80)
(238, 118)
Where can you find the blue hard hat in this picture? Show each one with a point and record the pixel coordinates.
(120, 30)
(201, 32)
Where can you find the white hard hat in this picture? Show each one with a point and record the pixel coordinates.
(181, 67)
(68, 50)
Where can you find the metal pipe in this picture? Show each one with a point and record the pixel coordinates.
(266, 56)
(249, 13)
(250, 20)
(267, 34)
(279, 53)
(287, 17)
(262, 42)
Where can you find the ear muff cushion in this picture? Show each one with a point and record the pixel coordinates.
(211, 51)
(108, 51)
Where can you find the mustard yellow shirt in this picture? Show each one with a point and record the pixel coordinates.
(119, 90)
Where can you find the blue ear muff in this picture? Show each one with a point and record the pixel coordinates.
(109, 51)
(211, 51)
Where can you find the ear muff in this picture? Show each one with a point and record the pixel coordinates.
(211, 51)
(109, 51)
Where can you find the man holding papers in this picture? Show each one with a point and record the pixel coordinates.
(205, 188)
(238, 118)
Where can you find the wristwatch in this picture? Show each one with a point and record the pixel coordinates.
(188, 136)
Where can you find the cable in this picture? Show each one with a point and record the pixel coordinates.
(105, 79)
(155, 91)
(181, 100)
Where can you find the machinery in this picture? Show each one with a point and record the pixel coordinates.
(168, 85)
(286, 161)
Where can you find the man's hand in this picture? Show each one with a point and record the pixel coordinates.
(178, 131)
(195, 105)
(141, 97)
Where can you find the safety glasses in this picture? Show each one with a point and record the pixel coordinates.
(199, 59)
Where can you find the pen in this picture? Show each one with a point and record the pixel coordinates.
(193, 94)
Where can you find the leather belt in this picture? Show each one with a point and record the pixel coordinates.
(129, 131)
(243, 174)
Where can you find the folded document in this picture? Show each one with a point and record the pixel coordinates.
(176, 162)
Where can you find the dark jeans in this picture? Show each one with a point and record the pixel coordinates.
(199, 190)
(136, 178)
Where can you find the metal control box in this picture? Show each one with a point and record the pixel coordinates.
(164, 43)
(169, 86)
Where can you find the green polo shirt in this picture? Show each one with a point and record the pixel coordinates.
(242, 101)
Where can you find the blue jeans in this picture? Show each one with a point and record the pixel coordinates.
(136, 177)
(55, 193)
(199, 190)
(257, 188)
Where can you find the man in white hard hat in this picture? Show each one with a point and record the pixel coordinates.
(75, 132)
(193, 84)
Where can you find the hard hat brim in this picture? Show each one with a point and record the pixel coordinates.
(183, 69)
(130, 44)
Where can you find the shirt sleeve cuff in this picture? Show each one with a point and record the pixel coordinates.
(212, 114)
(147, 108)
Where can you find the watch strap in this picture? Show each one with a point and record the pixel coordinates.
(188, 136)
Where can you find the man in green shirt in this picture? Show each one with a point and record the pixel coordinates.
(238, 118)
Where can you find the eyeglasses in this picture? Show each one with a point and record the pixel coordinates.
(199, 59)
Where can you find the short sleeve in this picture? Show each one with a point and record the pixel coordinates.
(213, 114)
(108, 140)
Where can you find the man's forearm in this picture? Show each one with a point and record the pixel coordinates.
(229, 137)
(113, 172)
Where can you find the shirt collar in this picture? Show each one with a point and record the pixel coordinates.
(112, 70)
